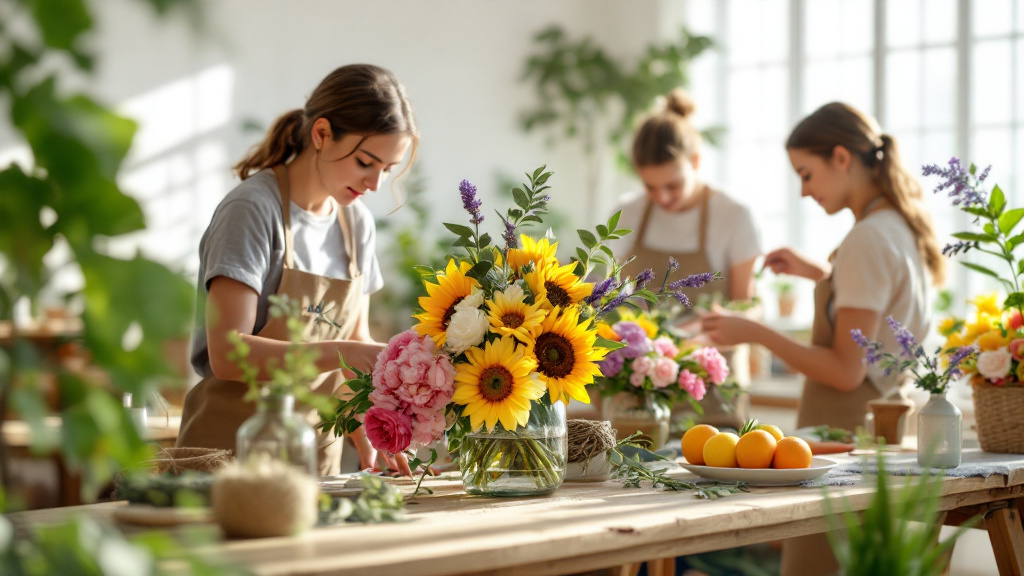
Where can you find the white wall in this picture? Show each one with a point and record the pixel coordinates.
(460, 61)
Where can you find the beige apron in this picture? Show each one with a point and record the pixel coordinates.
(716, 412)
(823, 405)
(214, 410)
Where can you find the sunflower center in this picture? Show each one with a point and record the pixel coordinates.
(495, 383)
(512, 320)
(451, 311)
(557, 295)
(555, 355)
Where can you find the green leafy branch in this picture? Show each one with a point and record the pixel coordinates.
(597, 251)
(632, 472)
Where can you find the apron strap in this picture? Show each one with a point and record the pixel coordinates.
(281, 171)
(704, 219)
(350, 243)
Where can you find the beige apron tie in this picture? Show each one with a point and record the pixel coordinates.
(214, 409)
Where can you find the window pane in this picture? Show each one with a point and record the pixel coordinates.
(940, 87)
(990, 82)
(991, 17)
(992, 146)
(835, 27)
(1018, 168)
(1019, 74)
(848, 81)
(704, 87)
(700, 16)
(769, 88)
(940, 21)
(902, 23)
(937, 147)
(758, 31)
(903, 90)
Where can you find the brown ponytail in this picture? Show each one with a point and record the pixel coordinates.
(356, 99)
(667, 135)
(837, 124)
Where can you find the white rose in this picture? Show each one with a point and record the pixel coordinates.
(474, 300)
(994, 364)
(514, 293)
(466, 328)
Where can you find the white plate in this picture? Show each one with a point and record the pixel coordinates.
(762, 476)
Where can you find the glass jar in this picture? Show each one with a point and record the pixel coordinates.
(632, 413)
(938, 433)
(276, 432)
(527, 461)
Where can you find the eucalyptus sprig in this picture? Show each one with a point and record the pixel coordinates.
(633, 473)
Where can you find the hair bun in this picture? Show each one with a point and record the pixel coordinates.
(679, 102)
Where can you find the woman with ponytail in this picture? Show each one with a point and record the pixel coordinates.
(884, 267)
(295, 226)
(679, 216)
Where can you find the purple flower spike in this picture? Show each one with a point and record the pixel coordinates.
(470, 202)
(907, 342)
(871, 349)
(600, 290)
(682, 299)
(693, 281)
(673, 264)
(958, 182)
(510, 235)
(643, 278)
(614, 303)
(959, 356)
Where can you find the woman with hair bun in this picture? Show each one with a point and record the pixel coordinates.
(885, 266)
(680, 216)
(295, 226)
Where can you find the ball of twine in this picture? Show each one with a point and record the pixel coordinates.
(589, 438)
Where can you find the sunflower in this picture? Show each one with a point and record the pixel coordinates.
(439, 304)
(510, 315)
(495, 384)
(566, 356)
(605, 331)
(987, 304)
(558, 287)
(540, 252)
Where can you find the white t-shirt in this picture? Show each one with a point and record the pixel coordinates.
(878, 267)
(732, 236)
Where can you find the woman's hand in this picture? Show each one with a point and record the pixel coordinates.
(789, 261)
(723, 328)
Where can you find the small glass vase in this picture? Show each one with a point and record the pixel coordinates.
(938, 433)
(632, 413)
(276, 432)
(527, 461)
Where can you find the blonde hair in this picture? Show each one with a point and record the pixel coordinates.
(838, 124)
(356, 99)
(667, 135)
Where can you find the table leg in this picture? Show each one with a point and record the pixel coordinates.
(662, 567)
(626, 569)
(1007, 536)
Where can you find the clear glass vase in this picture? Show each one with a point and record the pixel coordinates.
(632, 413)
(276, 432)
(527, 461)
(938, 433)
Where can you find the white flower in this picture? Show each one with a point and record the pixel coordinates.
(466, 329)
(514, 293)
(474, 300)
(994, 364)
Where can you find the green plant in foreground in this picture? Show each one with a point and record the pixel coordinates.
(898, 532)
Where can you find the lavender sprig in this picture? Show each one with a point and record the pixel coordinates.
(958, 181)
(470, 202)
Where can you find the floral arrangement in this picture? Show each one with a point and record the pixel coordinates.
(503, 329)
(996, 328)
(655, 364)
(929, 375)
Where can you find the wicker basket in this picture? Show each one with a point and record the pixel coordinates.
(998, 411)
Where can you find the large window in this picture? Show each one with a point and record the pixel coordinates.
(945, 77)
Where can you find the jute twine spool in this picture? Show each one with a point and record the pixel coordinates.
(270, 498)
(589, 438)
(178, 460)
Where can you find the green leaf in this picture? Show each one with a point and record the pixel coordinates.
(480, 269)
(974, 237)
(485, 240)
(459, 230)
(587, 238)
(975, 210)
(521, 199)
(581, 254)
(988, 228)
(997, 201)
(614, 220)
(1014, 300)
(1020, 267)
(61, 22)
(602, 231)
(979, 268)
(609, 344)
(1010, 219)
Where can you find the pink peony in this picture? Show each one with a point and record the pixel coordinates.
(1017, 348)
(665, 372)
(643, 366)
(388, 430)
(637, 379)
(427, 425)
(712, 361)
(436, 387)
(664, 346)
(411, 370)
(692, 384)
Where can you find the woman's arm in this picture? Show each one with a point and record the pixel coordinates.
(231, 307)
(840, 366)
(361, 332)
(741, 280)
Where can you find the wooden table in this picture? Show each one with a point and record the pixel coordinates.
(581, 527)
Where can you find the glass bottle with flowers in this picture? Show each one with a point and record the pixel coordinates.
(997, 375)
(939, 421)
(507, 336)
(644, 380)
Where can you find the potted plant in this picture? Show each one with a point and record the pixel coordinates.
(785, 291)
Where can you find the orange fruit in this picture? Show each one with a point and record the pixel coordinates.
(792, 452)
(755, 449)
(773, 430)
(693, 442)
(720, 450)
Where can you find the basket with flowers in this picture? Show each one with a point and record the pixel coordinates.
(506, 336)
(644, 380)
(997, 373)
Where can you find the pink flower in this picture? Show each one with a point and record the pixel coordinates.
(435, 388)
(712, 361)
(643, 366)
(388, 430)
(1016, 321)
(664, 346)
(427, 425)
(411, 370)
(665, 372)
(1017, 348)
(692, 384)
(994, 364)
(637, 379)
